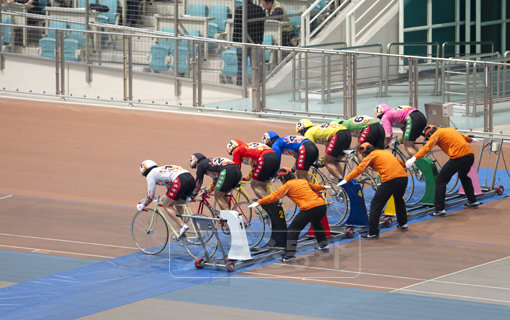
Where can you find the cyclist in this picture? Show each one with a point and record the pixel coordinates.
(264, 166)
(311, 205)
(462, 157)
(366, 129)
(394, 183)
(409, 119)
(179, 183)
(302, 149)
(224, 173)
(334, 136)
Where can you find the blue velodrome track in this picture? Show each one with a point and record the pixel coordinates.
(55, 287)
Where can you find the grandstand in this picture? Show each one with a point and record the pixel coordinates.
(346, 51)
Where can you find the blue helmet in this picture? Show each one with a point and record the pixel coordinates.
(269, 138)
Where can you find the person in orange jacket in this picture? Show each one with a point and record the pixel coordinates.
(394, 183)
(311, 205)
(462, 157)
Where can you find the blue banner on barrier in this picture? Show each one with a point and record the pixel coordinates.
(357, 209)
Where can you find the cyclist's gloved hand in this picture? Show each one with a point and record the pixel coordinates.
(253, 205)
(341, 183)
(245, 179)
(140, 206)
(410, 162)
(327, 187)
(475, 140)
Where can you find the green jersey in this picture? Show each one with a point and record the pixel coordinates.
(357, 124)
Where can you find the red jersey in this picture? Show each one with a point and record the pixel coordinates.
(250, 153)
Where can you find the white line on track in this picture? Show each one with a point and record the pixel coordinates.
(451, 274)
(68, 241)
(45, 251)
(458, 296)
(6, 197)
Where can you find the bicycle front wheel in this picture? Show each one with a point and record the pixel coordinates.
(255, 223)
(150, 231)
(337, 205)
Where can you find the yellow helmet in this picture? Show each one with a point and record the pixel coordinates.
(302, 125)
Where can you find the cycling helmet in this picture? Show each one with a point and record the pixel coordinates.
(194, 159)
(365, 148)
(429, 131)
(302, 125)
(146, 167)
(285, 174)
(232, 144)
(269, 138)
(381, 109)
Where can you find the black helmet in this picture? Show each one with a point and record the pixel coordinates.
(285, 174)
(195, 158)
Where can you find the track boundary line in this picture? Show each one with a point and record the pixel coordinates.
(458, 296)
(68, 241)
(8, 196)
(45, 251)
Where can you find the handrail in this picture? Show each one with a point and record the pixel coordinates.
(470, 43)
(350, 21)
(306, 33)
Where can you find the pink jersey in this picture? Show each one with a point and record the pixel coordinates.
(395, 118)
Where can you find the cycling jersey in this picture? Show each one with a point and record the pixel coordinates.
(212, 168)
(384, 162)
(263, 160)
(452, 142)
(288, 145)
(302, 192)
(250, 153)
(357, 124)
(396, 118)
(323, 133)
(162, 176)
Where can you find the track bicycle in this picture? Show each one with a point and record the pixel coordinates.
(366, 179)
(414, 174)
(336, 199)
(255, 219)
(150, 231)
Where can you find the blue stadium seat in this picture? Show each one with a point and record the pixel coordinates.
(79, 36)
(47, 46)
(185, 53)
(71, 46)
(229, 58)
(168, 43)
(197, 10)
(158, 55)
(220, 14)
(6, 31)
(111, 15)
(55, 24)
(267, 40)
(295, 21)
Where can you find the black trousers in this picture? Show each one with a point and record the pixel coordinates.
(396, 188)
(461, 166)
(313, 216)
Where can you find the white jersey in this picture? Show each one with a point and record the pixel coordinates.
(162, 176)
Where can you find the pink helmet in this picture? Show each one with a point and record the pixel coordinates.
(381, 109)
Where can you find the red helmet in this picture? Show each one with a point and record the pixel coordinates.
(232, 144)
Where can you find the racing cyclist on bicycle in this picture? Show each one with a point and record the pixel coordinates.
(179, 183)
(302, 149)
(409, 119)
(224, 173)
(335, 136)
(264, 166)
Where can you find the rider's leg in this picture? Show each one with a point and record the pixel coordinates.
(333, 166)
(172, 208)
(410, 148)
(221, 199)
(302, 174)
(259, 188)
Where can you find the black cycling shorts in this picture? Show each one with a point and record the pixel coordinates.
(182, 187)
(339, 142)
(373, 134)
(415, 124)
(228, 178)
(308, 154)
(266, 167)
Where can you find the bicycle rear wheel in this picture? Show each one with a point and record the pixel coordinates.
(255, 222)
(337, 204)
(408, 194)
(150, 231)
(195, 246)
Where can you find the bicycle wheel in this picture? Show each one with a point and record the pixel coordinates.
(255, 222)
(410, 177)
(150, 231)
(194, 245)
(337, 204)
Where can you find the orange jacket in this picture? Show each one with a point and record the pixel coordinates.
(303, 193)
(384, 162)
(452, 142)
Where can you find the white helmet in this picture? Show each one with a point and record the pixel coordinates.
(146, 166)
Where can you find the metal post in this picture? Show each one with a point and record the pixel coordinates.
(323, 79)
(410, 80)
(475, 93)
(243, 40)
(354, 86)
(345, 86)
(294, 78)
(124, 67)
(177, 84)
(468, 92)
(199, 75)
(328, 73)
(490, 98)
(57, 62)
(62, 65)
(263, 83)
(130, 68)
(485, 98)
(88, 70)
(194, 73)
(2, 58)
(415, 83)
(306, 81)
